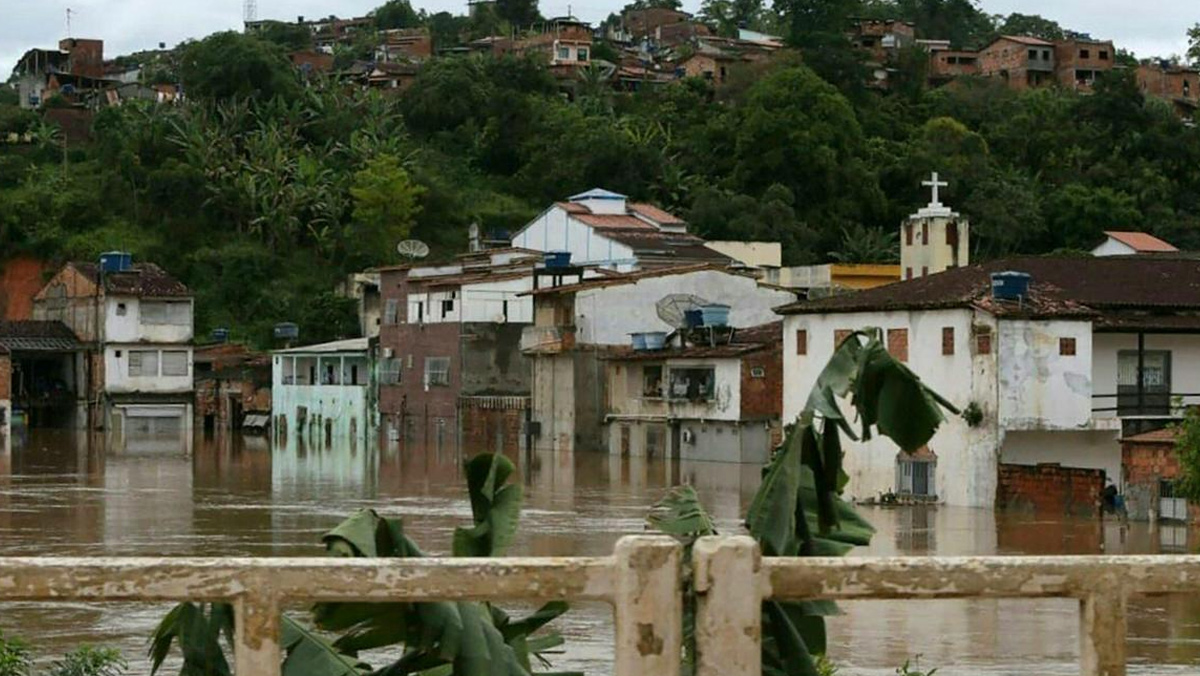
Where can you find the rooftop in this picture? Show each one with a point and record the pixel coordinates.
(37, 336)
(142, 279)
(349, 345)
(743, 341)
(1120, 291)
(634, 277)
(1141, 241)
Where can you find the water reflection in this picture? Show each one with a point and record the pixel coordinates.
(63, 494)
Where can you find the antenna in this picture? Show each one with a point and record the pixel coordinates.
(250, 11)
(69, 13)
(412, 249)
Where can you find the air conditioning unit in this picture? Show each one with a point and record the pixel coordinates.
(388, 353)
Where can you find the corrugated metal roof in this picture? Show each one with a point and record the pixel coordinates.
(350, 345)
(37, 336)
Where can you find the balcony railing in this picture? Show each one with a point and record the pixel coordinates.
(642, 580)
(1146, 404)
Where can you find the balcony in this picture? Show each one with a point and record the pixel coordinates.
(547, 339)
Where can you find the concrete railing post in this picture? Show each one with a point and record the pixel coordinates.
(648, 606)
(729, 589)
(256, 650)
(1102, 631)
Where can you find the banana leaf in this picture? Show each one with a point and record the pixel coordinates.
(197, 629)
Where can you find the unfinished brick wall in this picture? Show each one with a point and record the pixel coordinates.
(488, 430)
(1050, 489)
(5, 377)
(1146, 461)
(762, 397)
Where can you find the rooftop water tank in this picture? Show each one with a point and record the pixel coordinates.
(220, 335)
(715, 314)
(1010, 285)
(116, 261)
(558, 259)
(656, 340)
(637, 341)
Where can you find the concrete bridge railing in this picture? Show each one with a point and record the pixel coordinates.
(643, 581)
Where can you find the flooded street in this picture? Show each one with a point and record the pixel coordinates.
(60, 495)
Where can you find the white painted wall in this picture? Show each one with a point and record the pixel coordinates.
(118, 380)
(937, 255)
(344, 405)
(1112, 247)
(966, 457)
(1185, 364)
(1091, 449)
(606, 316)
(756, 254)
(555, 230)
(1039, 388)
(124, 323)
(626, 394)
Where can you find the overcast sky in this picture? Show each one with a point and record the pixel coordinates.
(1148, 27)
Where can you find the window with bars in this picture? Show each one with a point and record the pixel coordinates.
(390, 371)
(391, 311)
(164, 312)
(143, 363)
(437, 371)
(174, 363)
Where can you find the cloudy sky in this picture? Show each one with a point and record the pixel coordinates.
(1148, 27)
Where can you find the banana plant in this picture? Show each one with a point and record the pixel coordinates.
(438, 638)
(797, 510)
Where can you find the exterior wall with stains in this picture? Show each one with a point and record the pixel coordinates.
(607, 315)
(1041, 388)
(628, 398)
(966, 457)
(932, 243)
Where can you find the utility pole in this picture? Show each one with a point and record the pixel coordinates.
(69, 13)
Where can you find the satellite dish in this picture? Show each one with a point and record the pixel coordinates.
(412, 249)
(673, 309)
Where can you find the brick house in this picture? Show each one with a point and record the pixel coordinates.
(645, 22)
(881, 39)
(231, 384)
(576, 325)
(1150, 465)
(1021, 62)
(1178, 85)
(565, 42)
(451, 369)
(698, 402)
(1079, 62)
(946, 64)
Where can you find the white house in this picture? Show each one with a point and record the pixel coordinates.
(1119, 243)
(602, 228)
(577, 325)
(1053, 374)
(138, 321)
(320, 393)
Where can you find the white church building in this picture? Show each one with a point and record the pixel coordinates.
(1053, 357)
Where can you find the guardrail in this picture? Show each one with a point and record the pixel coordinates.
(642, 580)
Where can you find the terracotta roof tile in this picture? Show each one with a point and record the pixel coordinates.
(655, 214)
(1141, 241)
(142, 279)
(1166, 435)
(37, 336)
(613, 222)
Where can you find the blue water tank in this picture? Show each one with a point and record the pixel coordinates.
(116, 261)
(693, 318)
(287, 330)
(638, 341)
(558, 259)
(220, 335)
(656, 340)
(1010, 285)
(715, 314)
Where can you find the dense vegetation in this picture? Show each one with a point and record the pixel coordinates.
(263, 191)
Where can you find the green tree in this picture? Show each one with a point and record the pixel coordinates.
(290, 36)
(518, 12)
(396, 14)
(1193, 51)
(1032, 25)
(1077, 215)
(231, 65)
(386, 204)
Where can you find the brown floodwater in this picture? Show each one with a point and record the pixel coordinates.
(61, 494)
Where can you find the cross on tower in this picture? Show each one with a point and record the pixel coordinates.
(935, 184)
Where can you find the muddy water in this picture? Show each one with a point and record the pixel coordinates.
(60, 494)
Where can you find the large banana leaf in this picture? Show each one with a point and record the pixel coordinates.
(495, 505)
(798, 510)
(198, 629)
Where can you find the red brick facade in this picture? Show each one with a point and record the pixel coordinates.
(5, 376)
(1022, 63)
(1050, 490)
(1079, 62)
(762, 384)
(486, 429)
(1147, 460)
(1179, 85)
